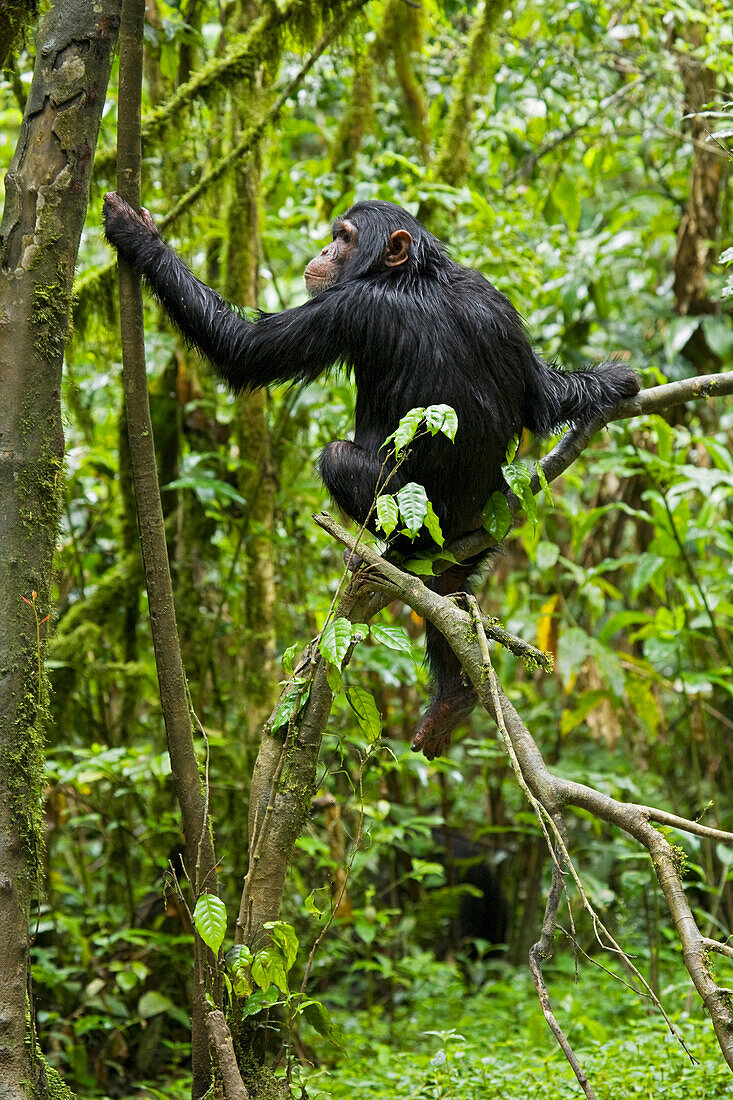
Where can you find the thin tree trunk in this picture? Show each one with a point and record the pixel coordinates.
(47, 190)
(200, 857)
(257, 481)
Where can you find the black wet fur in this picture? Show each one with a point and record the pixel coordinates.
(426, 332)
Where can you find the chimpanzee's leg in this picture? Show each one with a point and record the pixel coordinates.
(454, 697)
(351, 474)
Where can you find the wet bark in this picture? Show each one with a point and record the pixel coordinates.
(192, 798)
(47, 190)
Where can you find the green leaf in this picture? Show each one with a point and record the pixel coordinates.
(546, 554)
(719, 335)
(241, 984)
(366, 712)
(334, 677)
(309, 904)
(388, 513)
(290, 703)
(238, 957)
(619, 621)
(648, 572)
(238, 961)
(496, 516)
(127, 980)
(421, 868)
(207, 488)
(210, 919)
(575, 645)
(519, 479)
(611, 671)
(512, 448)
(283, 935)
(442, 418)
(335, 640)
(268, 968)
(287, 658)
(681, 331)
(413, 502)
(152, 1004)
(544, 483)
(407, 429)
(255, 1003)
(572, 718)
(318, 1018)
(421, 567)
(366, 930)
(393, 637)
(644, 704)
(433, 525)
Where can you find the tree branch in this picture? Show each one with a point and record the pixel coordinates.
(570, 447)
(546, 791)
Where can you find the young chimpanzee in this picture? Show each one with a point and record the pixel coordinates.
(416, 329)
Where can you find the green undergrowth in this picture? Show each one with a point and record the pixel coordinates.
(494, 1043)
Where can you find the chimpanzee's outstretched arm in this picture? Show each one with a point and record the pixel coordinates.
(295, 345)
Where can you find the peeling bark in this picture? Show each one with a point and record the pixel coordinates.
(47, 190)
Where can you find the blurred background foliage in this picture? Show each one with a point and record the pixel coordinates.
(575, 153)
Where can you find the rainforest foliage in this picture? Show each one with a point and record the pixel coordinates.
(577, 155)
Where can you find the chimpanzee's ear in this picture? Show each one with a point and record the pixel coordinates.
(398, 248)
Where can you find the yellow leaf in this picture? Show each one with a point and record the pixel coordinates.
(547, 626)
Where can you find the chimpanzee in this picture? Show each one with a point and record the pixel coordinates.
(416, 329)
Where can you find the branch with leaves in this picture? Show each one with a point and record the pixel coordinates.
(466, 631)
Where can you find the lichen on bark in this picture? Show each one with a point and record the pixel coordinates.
(47, 186)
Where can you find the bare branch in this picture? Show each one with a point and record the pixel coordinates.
(541, 950)
(685, 825)
(721, 948)
(575, 441)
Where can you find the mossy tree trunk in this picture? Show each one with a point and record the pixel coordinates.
(699, 230)
(47, 189)
(14, 14)
(257, 481)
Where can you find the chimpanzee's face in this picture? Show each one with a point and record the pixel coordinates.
(324, 269)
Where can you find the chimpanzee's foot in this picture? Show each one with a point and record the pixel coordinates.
(352, 560)
(445, 712)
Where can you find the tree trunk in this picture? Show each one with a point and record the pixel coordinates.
(699, 228)
(697, 236)
(257, 482)
(177, 716)
(47, 190)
